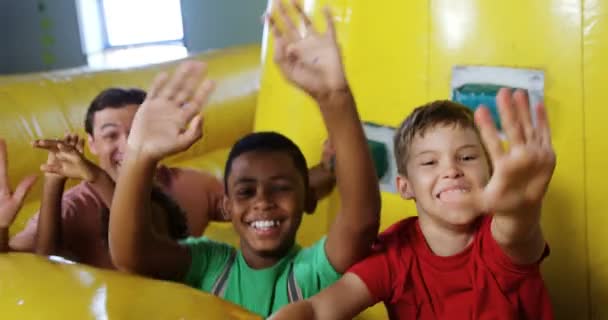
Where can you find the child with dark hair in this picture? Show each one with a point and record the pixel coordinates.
(74, 223)
(267, 189)
(66, 160)
(113, 98)
(475, 248)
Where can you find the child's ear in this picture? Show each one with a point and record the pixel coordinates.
(311, 201)
(226, 208)
(91, 143)
(404, 188)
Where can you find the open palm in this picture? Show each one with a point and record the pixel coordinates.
(10, 202)
(523, 171)
(310, 60)
(169, 120)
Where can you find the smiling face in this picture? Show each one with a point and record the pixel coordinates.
(446, 167)
(266, 197)
(108, 141)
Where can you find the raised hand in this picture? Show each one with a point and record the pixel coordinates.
(10, 202)
(521, 172)
(169, 120)
(310, 60)
(66, 159)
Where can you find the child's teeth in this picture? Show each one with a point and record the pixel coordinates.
(264, 224)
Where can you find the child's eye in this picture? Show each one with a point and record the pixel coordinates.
(245, 192)
(110, 136)
(428, 163)
(468, 157)
(281, 188)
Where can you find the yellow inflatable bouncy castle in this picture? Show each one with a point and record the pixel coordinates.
(49, 104)
(398, 55)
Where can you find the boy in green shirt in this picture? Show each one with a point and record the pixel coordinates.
(266, 186)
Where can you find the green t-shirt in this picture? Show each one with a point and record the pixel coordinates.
(262, 291)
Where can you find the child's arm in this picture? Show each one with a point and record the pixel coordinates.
(167, 122)
(48, 239)
(197, 193)
(322, 181)
(322, 176)
(520, 177)
(10, 202)
(69, 161)
(43, 232)
(65, 160)
(313, 63)
(48, 234)
(343, 300)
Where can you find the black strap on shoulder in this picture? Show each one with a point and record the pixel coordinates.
(219, 287)
(294, 293)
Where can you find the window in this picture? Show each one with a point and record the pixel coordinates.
(136, 22)
(125, 33)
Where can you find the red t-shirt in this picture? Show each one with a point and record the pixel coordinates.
(479, 283)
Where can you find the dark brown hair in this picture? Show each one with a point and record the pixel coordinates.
(115, 98)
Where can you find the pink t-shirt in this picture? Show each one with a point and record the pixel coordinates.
(198, 194)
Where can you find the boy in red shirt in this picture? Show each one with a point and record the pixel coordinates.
(474, 250)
